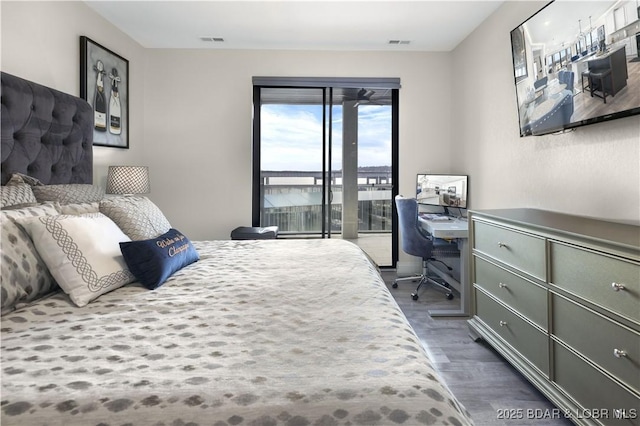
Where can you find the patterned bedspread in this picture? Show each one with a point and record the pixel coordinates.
(271, 332)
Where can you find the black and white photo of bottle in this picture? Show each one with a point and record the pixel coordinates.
(100, 102)
(115, 114)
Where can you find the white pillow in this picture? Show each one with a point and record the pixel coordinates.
(82, 253)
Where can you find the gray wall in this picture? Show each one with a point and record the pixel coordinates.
(41, 42)
(191, 118)
(592, 171)
(198, 126)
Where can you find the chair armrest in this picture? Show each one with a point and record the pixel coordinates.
(425, 233)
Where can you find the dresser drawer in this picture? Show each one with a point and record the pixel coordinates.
(590, 275)
(523, 337)
(519, 250)
(592, 389)
(580, 328)
(524, 296)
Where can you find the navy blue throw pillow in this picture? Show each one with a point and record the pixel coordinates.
(153, 261)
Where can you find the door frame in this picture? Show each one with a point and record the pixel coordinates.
(325, 83)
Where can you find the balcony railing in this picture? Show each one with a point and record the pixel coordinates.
(298, 208)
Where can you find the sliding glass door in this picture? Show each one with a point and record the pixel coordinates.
(324, 163)
(292, 153)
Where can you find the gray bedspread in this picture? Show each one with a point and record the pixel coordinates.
(272, 332)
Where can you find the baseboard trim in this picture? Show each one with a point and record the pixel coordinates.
(406, 269)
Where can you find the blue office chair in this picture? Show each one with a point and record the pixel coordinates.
(566, 77)
(417, 242)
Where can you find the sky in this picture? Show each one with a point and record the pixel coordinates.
(292, 137)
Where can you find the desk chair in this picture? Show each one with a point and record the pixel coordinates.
(417, 242)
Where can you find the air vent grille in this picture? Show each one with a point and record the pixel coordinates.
(212, 39)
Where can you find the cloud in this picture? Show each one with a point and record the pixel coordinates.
(292, 137)
(374, 135)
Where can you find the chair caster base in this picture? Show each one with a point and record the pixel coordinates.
(414, 296)
(449, 296)
(394, 285)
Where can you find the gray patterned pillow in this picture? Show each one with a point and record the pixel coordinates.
(137, 216)
(69, 193)
(22, 178)
(19, 193)
(78, 208)
(25, 277)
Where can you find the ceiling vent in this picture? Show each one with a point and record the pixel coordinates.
(212, 39)
(399, 41)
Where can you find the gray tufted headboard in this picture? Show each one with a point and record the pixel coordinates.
(46, 134)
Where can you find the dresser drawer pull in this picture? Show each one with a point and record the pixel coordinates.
(617, 286)
(503, 323)
(502, 285)
(619, 353)
(502, 245)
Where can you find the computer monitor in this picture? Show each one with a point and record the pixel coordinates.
(442, 190)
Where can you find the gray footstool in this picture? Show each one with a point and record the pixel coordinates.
(254, 233)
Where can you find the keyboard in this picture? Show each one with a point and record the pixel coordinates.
(435, 217)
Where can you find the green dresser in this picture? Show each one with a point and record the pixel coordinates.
(559, 297)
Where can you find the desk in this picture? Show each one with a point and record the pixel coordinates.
(457, 229)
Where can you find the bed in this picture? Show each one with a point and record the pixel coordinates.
(262, 332)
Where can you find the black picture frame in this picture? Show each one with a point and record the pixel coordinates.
(110, 129)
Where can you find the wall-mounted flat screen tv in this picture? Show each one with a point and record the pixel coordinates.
(577, 63)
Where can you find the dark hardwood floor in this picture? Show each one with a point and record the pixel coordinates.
(480, 378)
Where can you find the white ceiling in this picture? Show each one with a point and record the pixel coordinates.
(428, 25)
(560, 23)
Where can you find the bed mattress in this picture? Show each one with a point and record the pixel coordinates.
(269, 332)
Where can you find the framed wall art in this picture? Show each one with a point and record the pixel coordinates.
(104, 83)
